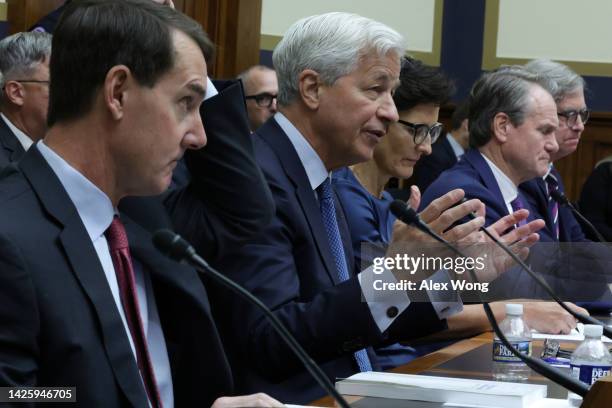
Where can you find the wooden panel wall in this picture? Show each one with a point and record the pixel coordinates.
(233, 25)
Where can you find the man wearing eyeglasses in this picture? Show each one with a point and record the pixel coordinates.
(567, 88)
(24, 92)
(260, 88)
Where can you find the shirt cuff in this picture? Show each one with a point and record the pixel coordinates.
(385, 306)
(210, 89)
(445, 303)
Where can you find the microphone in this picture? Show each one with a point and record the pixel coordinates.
(560, 198)
(178, 249)
(405, 213)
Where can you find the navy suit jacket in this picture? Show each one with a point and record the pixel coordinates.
(572, 273)
(569, 229)
(10, 148)
(290, 267)
(60, 325)
(429, 168)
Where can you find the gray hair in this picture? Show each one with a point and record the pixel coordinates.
(503, 90)
(563, 81)
(20, 53)
(330, 44)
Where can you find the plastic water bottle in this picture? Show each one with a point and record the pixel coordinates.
(590, 361)
(506, 366)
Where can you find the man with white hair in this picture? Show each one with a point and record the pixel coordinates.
(567, 88)
(337, 73)
(24, 92)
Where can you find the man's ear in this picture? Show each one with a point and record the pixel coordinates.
(14, 92)
(309, 84)
(115, 90)
(501, 126)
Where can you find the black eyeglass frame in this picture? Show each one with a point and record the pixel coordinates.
(261, 97)
(571, 116)
(417, 134)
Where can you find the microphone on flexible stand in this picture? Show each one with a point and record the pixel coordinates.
(560, 198)
(178, 249)
(409, 216)
(579, 316)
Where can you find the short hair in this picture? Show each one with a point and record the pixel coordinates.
(419, 84)
(562, 80)
(245, 76)
(20, 53)
(92, 36)
(460, 114)
(330, 44)
(503, 90)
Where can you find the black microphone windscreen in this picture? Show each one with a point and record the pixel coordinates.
(403, 212)
(171, 244)
(559, 197)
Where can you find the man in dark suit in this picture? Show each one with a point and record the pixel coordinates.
(445, 153)
(335, 103)
(513, 119)
(87, 301)
(24, 92)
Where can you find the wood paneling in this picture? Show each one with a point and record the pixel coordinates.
(22, 14)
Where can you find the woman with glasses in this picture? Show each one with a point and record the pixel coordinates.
(361, 191)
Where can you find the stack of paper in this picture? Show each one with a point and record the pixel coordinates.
(576, 334)
(460, 391)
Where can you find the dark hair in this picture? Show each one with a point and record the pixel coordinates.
(460, 114)
(92, 36)
(421, 83)
(503, 90)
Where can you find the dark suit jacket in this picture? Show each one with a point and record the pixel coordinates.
(573, 273)
(290, 268)
(569, 229)
(10, 148)
(428, 168)
(60, 325)
(596, 200)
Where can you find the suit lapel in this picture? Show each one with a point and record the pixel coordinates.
(280, 143)
(88, 270)
(8, 140)
(475, 159)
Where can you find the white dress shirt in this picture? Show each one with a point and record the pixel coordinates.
(24, 139)
(506, 186)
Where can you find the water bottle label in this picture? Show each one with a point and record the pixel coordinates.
(588, 374)
(502, 354)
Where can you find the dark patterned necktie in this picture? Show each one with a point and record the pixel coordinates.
(328, 214)
(552, 184)
(122, 261)
(517, 204)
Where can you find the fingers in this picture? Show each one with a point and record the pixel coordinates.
(521, 233)
(577, 309)
(467, 232)
(440, 204)
(254, 400)
(415, 198)
(450, 216)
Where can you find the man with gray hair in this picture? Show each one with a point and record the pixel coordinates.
(337, 73)
(567, 88)
(24, 92)
(260, 89)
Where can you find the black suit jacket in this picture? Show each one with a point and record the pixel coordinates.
(60, 325)
(428, 168)
(289, 266)
(596, 200)
(10, 148)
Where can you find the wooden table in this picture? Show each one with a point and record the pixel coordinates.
(470, 358)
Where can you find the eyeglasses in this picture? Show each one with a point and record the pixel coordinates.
(263, 100)
(571, 116)
(420, 131)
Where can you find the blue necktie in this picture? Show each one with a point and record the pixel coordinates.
(328, 214)
(517, 204)
(552, 184)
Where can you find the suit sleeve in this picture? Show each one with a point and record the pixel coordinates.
(19, 320)
(227, 200)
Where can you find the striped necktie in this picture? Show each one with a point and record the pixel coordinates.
(552, 184)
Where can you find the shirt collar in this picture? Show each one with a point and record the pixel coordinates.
(457, 148)
(94, 207)
(550, 167)
(24, 139)
(506, 186)
(315, 169)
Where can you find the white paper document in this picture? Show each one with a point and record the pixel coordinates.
(575, 335)
(452, 391)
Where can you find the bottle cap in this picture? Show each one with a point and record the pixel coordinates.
(514, 309)
(593, 330)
